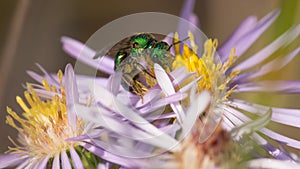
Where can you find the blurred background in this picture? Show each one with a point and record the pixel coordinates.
(30, 32)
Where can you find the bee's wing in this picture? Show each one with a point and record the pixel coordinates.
(158, 37)
(113, 50)
(123, 44)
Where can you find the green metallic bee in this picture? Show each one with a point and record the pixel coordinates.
(135, 57)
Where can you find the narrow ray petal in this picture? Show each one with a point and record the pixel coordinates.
(114, 82)
(289, 117)
(263, 54)
(65, 162)
(250, 127)
(76, 161)
(274, 65)
(34, 75)
(234, 120)
(154, 137)
(110, 157)
(85, 54)
(281, 138)
(270, 86)
(241, 30)
(44, 161)
(187, 14)
(9, 160)
(56, 163)
(265, 163)
(23, 165)
(168, 89)
(244, 42)
(163, 102)
(72, 96)
(271, 134)
(197, 107)
(47, 76)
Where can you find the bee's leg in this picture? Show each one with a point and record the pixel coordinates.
(143, 69)
(140, 87)
(149, 75)
(135, 86)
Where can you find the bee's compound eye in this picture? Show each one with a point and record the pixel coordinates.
(121, 55)
(151, 43)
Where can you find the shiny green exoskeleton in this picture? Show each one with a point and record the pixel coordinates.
(135, 57)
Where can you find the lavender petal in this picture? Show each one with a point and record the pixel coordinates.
(65, 162)
(265, 163)
(130, 163)
(48, 76)
(244, 42)
(23, 165)
(114, 83)
(237, 119)
(280, 138)
(187, 9)
(46, 94)
(149, 98)
(241, 30)
(271, 134)
(43, 162)
(86, 55)
(56, 164)
(163, 102)
(9, 160)
(149, 133)
(274, 65)
(270, 86)
(34, 76)
(263, 54)
(188, 15)
(72, 95)
(76, 159)
(289, 117)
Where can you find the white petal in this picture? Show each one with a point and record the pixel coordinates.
(167, 87)
(197, 107)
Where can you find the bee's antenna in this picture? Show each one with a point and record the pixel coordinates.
(175, 43)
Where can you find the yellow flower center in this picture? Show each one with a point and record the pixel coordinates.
(44, 127)
(208, 67)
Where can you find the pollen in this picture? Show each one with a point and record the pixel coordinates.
(43, 127)
(208, 66)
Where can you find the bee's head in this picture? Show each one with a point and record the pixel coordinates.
(143, 41)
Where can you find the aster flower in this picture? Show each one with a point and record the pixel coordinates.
(226, 76)
(142, 143)
(48, 120)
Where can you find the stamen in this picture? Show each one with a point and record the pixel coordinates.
(22, 104)
(44, 128)
(208, 67)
